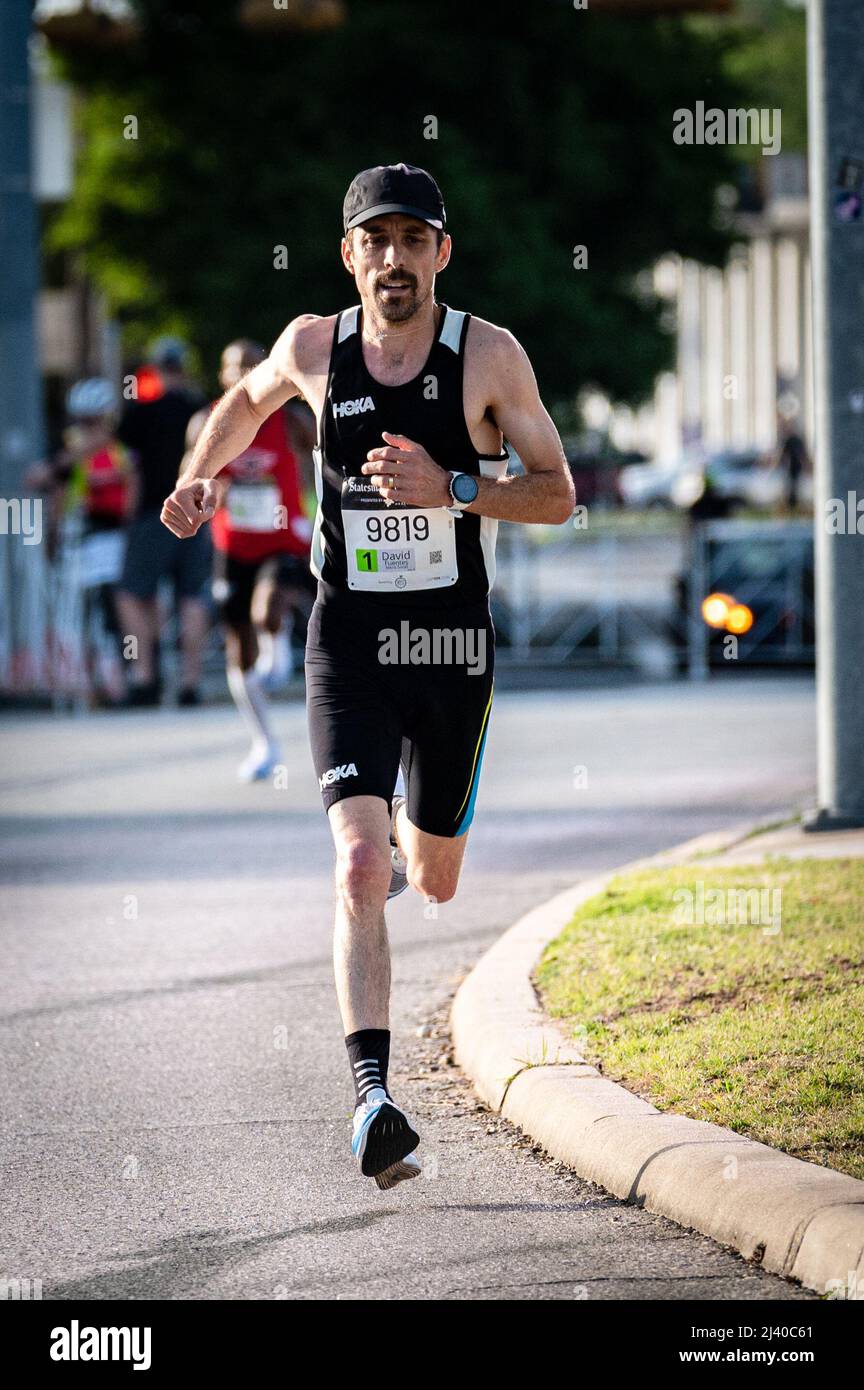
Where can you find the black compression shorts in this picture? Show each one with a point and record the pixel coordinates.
(384, 683)
(234, 582)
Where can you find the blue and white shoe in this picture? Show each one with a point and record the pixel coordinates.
(398, 862)
(383, 1141)
(259, 763)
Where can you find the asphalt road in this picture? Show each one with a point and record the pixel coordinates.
(174, 1092)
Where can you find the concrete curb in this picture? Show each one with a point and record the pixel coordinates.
(798, 1219)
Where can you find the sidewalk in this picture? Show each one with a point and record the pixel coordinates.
(797, 1219)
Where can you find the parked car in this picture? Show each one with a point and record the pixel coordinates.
(597, 476)
(739, 477)
(651, 484)
(764, 570)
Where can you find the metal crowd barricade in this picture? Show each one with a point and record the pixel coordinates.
(632, 597)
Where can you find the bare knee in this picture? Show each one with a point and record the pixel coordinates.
(362, 872)
(435, 885)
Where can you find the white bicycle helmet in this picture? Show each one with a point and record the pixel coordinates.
(93, 397)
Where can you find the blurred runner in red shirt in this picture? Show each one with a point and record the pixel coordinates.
(261, 558)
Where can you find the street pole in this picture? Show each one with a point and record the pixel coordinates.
(21, 438)
(836, 138)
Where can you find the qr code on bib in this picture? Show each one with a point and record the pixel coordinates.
(435, 557)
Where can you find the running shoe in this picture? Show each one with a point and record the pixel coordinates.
(383, 1140)
(398, 862)
(259, 763)
(407, 1167)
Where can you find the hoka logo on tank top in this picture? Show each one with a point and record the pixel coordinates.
(353, 407)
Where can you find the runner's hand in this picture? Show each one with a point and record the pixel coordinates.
(191, 504)
(418, 479)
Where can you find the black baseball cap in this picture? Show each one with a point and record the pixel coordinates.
(393, 188)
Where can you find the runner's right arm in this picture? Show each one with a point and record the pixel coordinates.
(230, 428)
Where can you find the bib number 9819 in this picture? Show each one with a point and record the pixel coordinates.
(390, 546)
(404, 527)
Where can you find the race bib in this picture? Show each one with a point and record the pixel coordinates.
(101, 558)
(253, 506)
(391, 546)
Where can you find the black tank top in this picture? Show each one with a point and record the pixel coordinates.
(428, 409)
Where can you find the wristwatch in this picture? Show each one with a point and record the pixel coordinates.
(463, 490)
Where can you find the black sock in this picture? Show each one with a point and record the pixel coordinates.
(369, 1055)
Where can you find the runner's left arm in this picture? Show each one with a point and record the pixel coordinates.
(543, 494)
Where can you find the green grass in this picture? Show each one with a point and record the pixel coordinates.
(758, 1031)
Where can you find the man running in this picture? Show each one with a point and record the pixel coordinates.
(413, 401)
(261, 558)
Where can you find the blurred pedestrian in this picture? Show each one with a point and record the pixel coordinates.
(793, 461)
(91, 486)
(155, 431)
(710, 505)
(261, 573)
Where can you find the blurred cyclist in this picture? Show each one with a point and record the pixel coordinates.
(261, 572)
(92, 488)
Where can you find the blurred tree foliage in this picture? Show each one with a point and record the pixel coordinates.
(553, 131)
(766, 53)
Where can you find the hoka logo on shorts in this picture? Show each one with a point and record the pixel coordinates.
(337, 774)
(353, 407)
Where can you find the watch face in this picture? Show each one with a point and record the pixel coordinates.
(465, 488)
